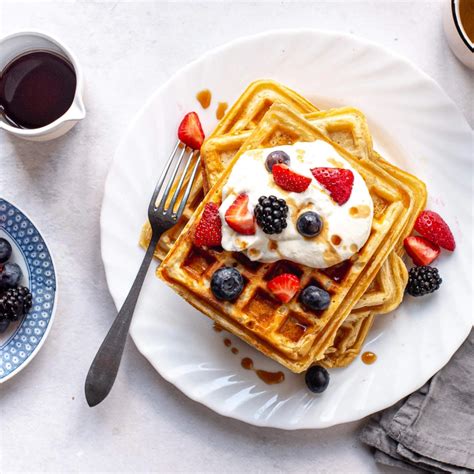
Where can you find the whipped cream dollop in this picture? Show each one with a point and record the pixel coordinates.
(346, 227)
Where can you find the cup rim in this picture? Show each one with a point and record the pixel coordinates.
(459, 26)
(32, 132)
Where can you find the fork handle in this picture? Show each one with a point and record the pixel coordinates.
(104, 368)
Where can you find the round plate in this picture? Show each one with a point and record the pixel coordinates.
(414, 124)
(23, 339)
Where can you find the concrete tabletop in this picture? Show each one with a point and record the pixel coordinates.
(127, 49)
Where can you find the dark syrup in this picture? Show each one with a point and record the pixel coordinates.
(36, 88)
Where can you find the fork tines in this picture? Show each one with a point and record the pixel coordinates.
(178, 176)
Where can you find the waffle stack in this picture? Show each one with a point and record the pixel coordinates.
(372, 282)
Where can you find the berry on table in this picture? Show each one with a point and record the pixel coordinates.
(227, 283)
(315, 298)
(317, 379)
(10, 275)
(423, 280)
(271, 214)
(5, 250)
(276, 157)
(309, 224)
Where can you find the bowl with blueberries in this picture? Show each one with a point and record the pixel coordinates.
(27, 290)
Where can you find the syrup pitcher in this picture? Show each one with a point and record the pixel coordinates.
(41, 86)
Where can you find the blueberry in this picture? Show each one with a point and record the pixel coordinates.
(10, 275)
(315, 298)
(5, 250)
(317, 379)
(309, 224)
(276, 157)
(227, 283)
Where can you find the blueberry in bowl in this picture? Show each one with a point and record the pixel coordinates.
(27, 290)
(5, 250)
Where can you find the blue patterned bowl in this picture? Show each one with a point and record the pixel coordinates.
(21, 341)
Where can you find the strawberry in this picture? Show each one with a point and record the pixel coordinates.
(284, 286)
(337, 181)
(289, 180)
(190, 131)
(209, 230)
(421, 250)
(432, 226)
(239, 218)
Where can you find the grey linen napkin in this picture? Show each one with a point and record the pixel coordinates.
(432, 430)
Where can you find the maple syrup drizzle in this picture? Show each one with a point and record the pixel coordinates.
(204, 98)
(221, 108)
(368, 358)
(270, 378)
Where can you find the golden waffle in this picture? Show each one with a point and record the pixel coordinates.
(348, 127)
(289, 333)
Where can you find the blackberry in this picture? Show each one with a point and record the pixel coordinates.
(423, 280)
(15, 303)
(271, 213)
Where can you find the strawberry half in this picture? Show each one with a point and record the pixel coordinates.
(432, 226)
(289, 180)
(284, 286)
(190, 131)
(239, 218)
(421, 250)
(337, 181)
(209, 230)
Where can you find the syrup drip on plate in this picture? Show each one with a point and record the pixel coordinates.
(270, 378)
(368, 358)
(204, 98)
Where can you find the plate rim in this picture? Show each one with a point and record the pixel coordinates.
(33, 354)
(182, 70)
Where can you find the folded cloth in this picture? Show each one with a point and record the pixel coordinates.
(432, 430)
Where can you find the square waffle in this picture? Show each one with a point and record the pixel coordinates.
(289, 333)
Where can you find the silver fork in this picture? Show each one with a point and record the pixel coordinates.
(162, 216)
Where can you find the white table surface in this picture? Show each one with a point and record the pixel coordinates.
(127, 50)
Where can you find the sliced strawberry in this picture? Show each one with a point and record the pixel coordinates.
(289, 180)
(337, 181)
(284, 286)
(239, 218)
(209, 230)
(432, 226)
(190, 131)
(421, 250)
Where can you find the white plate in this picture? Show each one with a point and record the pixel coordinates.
(415, 125)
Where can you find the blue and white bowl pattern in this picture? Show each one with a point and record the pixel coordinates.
(21, 342)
